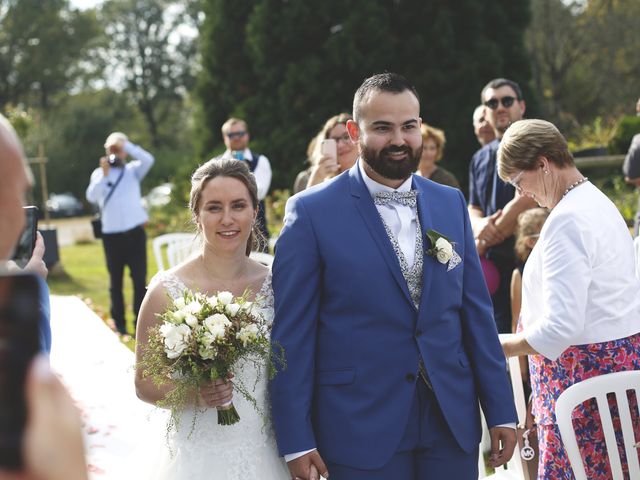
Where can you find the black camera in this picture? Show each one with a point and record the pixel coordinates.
(114, 160)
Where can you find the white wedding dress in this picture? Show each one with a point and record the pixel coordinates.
(206, 450)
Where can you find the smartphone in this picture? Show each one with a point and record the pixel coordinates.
(26, 243)
(329, 148)
(19, 343)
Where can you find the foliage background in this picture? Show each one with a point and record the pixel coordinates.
(168, 73)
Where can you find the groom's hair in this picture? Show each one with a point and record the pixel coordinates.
(381, 82)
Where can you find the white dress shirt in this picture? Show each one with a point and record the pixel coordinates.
(579, 284)
(400, 219)
(262, 173)
(124, 210)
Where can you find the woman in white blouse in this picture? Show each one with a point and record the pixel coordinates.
(580, 312)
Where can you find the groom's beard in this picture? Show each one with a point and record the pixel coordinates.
(386, 167)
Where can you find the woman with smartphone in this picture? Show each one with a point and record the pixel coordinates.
(332, 153)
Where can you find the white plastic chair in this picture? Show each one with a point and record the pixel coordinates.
(598, 388)
(513, 470)
(175, 247)
(636, 247)
(263, 258)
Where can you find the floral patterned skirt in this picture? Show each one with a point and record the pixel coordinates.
(550, 378)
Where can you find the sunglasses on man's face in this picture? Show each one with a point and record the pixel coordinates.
(493, 103)
(236, 134)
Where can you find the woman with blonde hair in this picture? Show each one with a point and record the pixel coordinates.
(323, 165)
(433, 141)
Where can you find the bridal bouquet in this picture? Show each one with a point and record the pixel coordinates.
(202, 339)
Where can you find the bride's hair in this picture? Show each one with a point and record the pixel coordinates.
(223, 167)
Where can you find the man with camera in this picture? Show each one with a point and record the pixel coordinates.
(115, 188)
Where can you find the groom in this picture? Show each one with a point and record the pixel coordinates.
(389, 338)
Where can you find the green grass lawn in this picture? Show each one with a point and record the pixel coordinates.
(84, 273)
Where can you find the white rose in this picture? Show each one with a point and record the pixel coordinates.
(179, 302)
(246, 306)
(232, 309)
(217, 324)
(193, 307)
(213, 300)
(444, 250)
(191, 320)
(176, 338)
(176, 317)
(248, 333)
(225, 298)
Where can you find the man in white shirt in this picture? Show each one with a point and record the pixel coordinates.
(384, 317)
(115, 188)
(235, 134)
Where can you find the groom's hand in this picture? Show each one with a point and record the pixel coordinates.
(307, 467)
(505, 436)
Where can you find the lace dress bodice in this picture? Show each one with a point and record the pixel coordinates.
(204, 449)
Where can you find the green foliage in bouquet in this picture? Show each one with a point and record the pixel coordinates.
(205, 338)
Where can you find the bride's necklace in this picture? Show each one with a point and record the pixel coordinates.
(574, 185)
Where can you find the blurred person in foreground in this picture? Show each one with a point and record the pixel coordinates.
(52, 447)
(235, 133)
(580, 310)
(123, 218)
(481, 126)
(15, 179)
(433, 141)
(390, 346)
(325, 166)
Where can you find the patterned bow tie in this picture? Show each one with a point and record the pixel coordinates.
(407, 199)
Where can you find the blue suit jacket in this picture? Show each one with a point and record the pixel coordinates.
(352, 336)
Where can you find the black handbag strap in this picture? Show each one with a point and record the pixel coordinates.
(112, 189)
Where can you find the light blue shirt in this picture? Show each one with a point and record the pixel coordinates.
(124, 209)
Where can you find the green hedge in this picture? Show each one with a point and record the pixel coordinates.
(625, 130)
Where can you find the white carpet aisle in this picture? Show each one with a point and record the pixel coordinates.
(98, 371)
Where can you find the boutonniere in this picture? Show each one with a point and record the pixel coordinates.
(442, 249)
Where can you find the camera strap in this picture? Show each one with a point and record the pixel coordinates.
(104, 204)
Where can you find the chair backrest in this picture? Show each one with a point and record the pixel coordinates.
(263, 258)
(636, 246)
(514, 468)
(173, 247)
(598, 387)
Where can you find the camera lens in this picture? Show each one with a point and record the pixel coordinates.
(113, 159)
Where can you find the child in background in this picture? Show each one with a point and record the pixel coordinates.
(527, 232)
(529, 226)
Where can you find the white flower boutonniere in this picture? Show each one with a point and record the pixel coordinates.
(442, 249)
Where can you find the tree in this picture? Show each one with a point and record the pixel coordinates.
(300, 62)
(43, 50)
(584, 59)
(151, 54)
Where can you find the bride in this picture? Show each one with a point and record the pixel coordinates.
(224, 205)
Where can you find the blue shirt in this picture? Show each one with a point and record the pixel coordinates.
(45, 315)
(124, 209)
(486, 190)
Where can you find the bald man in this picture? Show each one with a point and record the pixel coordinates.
(15, 180)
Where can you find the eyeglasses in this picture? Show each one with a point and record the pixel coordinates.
(493, 103)
(236, 134)
(345, 138)
(515, 181)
